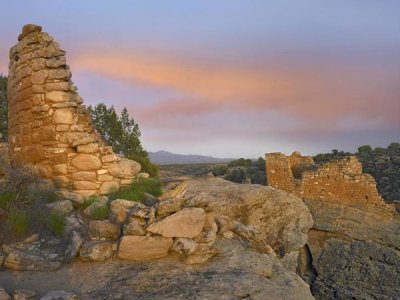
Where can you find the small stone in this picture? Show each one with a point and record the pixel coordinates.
(169, 206)
(178, 191)
(59, 295)
(32, 238)
(4, 295)
(104, 230)
(28, 29)
(75, 242)
(23, 295)
(24, 260)
(119, 208)
(110, 158)
(228, 234)
(97, 251)
(134, 227)
(184, 246)
(62, 206)
(143, 176)
(201, 256)
(76, 199)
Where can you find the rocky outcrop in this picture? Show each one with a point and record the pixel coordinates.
(50, 127)
(355, 251)
(237, 273)
(353, 247)
(265, 216)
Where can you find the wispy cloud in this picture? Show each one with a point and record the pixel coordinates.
(328, 92)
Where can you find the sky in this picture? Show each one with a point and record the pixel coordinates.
(232, 78)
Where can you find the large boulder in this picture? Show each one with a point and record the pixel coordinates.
(354, 251)
(272, 217)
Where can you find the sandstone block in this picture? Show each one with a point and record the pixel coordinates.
(88, 148)
(141, 248)
(188, 223)
(39, 77)
(104, 230)
(97, 251)
(60, 169)
(124, 169)
(84, 176)
(63, 116)
(105, 177)
(169, 206)
(119, 208)
(109, 187)
(110, 158)
(134, 227)
(86, 162)
(57, 96)
(85, 185)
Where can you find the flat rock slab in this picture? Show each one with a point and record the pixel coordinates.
(186, 223)
(19, 260)
(140, 248)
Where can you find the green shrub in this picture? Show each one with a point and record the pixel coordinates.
(18, 221)
(55, 222)
(6, 199)
(135, 192)
(47, 195)
(99, 213)
(88, 201)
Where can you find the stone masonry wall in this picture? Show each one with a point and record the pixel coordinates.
(50, 127)
(337, 181)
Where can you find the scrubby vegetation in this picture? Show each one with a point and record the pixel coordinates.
(137, 190)
(23, 200)
(242, 171)
(382, 163)
(122, 133)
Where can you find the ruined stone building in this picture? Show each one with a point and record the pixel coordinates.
(336, 181)
(50, 128)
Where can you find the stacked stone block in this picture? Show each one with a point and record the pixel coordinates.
(50, 128)
(339, 181)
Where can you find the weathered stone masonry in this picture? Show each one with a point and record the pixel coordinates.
(49, 126)
(337, 181)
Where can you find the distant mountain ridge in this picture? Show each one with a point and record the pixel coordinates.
(168, 158)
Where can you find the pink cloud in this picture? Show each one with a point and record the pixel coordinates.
(319, 92)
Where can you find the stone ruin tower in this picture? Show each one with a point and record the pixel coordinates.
(50, 128)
